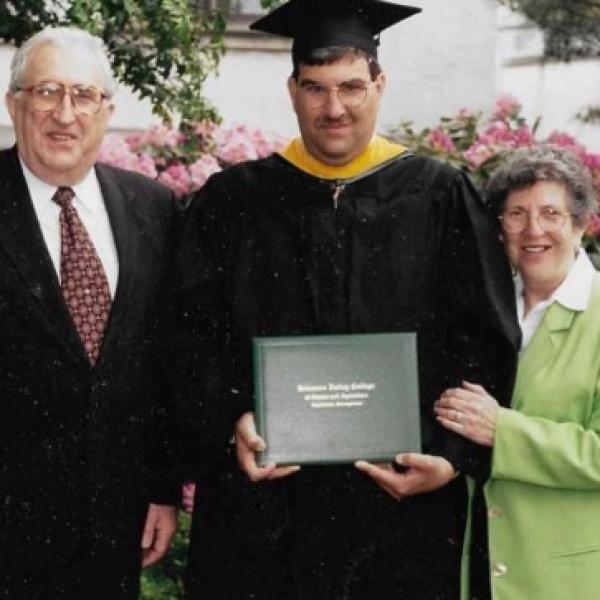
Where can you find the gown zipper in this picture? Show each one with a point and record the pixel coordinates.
(337, 190)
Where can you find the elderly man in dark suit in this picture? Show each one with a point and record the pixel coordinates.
(84, 253)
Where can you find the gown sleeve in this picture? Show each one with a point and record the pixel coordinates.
(478, 330)
(207, 398)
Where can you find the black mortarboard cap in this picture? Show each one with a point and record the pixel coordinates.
(324, 23)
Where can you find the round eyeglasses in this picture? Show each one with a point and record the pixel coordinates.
(47, 96)
(548, 220)
(351, 93)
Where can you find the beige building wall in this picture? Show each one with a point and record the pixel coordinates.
(553, 90)
(436, 62)
(458, 53)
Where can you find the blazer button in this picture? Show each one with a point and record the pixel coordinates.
(499, 569)
(494, 512)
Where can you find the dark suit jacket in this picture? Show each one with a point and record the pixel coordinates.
(76, 470)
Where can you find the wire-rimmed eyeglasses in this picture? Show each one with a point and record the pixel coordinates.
(548, 220)
(47, 96)
(350, 93)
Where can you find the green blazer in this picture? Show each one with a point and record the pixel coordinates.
(543, 496)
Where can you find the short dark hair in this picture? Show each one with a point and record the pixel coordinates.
(525, 167)
(333, 54)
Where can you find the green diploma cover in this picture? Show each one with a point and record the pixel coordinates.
(336, 398)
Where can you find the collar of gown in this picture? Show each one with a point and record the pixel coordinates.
(377, 152)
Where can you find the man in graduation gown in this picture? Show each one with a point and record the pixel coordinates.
(342, 232)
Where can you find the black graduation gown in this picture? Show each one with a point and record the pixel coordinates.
(271, 250)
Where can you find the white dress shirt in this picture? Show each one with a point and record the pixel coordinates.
(90, 207)
(573, 293)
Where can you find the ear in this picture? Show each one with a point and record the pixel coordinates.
(10, 102)
(582, 226)
(292, 86)
(380, 82)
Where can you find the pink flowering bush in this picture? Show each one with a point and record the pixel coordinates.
(116, 151)
(185, 158)
(469, 142)
(476, 145)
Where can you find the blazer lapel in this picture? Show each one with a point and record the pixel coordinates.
(22, 239)
(545, 343)
(127, 227)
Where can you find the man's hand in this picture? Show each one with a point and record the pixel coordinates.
(160, 527)
(424, 473)
(247, 444)
(469, 411)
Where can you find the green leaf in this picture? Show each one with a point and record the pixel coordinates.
(163, 49)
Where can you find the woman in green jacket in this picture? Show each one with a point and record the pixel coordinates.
(543, 495)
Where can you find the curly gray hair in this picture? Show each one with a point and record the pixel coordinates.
(70, 38)
(524, 167)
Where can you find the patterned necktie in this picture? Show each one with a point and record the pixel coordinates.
(82, 277)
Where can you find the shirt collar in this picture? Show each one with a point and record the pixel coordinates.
(574, 292)
(87, 191)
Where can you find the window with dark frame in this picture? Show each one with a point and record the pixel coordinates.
(233, 8)
(239, 14)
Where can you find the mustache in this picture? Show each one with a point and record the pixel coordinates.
(328, 121)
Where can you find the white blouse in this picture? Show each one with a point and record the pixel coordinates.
(573, 293)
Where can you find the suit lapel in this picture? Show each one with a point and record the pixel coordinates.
(544, 345)
(127, 227)
(22, 239)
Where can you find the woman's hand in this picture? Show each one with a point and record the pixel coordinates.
(469, 411)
